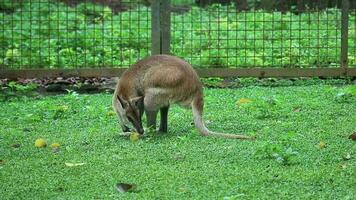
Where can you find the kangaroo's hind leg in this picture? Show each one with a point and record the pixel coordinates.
(164, 119)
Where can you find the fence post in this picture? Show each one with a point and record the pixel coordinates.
(155, 27)
(344, 35)
(165, 26)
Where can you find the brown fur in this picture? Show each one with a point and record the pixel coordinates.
(163, 80)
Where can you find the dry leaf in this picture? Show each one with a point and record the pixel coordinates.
(74, 164)
(178, 156)
(16, 145)
(243, 101)
(343, 166)
(182, 189)
(125, 134)
(353, 136)
(55, 150)
(297, 109)
(26, 130)
(125, 187)
(321, 145)
(347, 157)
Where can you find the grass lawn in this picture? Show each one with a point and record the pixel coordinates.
(302, 150)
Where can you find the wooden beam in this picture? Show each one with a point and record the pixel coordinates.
(155, 27)
(50, 73)
(277, 72)
(165, 19)
(206, 72)
(344, 34)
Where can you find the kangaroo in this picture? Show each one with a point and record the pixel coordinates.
(151, 85)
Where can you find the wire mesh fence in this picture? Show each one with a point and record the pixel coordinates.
(74, 34)
(266, 35)
(352, 37)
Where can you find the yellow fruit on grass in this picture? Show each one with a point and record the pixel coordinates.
(110, 113)
(40, 143)
(134, 136)
(243, 101)
(321, 145)
(55, 145)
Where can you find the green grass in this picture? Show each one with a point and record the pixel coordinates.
(283, 163)
(48, 34)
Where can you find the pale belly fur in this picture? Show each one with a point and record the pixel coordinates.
(156, 98)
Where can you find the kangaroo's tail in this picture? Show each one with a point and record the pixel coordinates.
(197, 107)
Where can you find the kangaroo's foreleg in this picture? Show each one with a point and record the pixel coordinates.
(151, 119)
(164, 119)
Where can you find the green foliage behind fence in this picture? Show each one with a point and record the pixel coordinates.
(48, 34)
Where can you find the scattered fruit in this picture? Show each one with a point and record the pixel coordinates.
(243, 101)
(321, 145)
(62, 108)
(110, 113)
(40, 143)
(134, 136)
(55, 145)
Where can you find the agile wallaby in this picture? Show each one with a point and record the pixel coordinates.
(153, 84)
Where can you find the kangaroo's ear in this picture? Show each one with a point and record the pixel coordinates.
(123, 103)
(137, 101)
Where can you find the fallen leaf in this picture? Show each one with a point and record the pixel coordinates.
(321, 145)
(182, 189)
(125, 187)
(26, 130)
(60, 189)
(353, 136)
(117, 157)
(343, 166)
(347, 157)
(178, 156)
(74, 164)
(55, 150)
(125, 134)
(16, 145)
(243, 101)
(297, 109)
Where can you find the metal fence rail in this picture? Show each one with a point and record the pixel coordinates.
(264, 38)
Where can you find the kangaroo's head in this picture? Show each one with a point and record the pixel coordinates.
(130, 113)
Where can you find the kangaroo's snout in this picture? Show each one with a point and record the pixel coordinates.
(140, 130)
